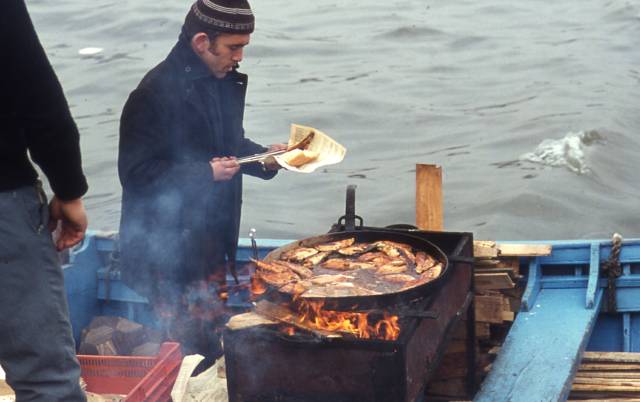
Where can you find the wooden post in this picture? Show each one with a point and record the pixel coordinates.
(429, 214)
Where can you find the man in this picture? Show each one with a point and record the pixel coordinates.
(180, 134)
(37, 349)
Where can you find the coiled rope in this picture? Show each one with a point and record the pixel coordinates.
(612, 268)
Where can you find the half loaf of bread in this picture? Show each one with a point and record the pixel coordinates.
(299, 157)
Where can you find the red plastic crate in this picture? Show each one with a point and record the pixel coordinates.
(140, 378)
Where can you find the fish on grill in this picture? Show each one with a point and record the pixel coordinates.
(346, 268)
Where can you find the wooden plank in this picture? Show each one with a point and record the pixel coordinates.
(539, 357)
(247, 320)
(511, 262)
(483, 330)
(493, 281)
(429, 209)
(489, 309)
(608, 388)
(493, 271)
(485, 249)
(611, 357)
(604, 396)
(614, 382)
(283, 314)
(453, 365)
(605, 366)
(608, 374)
(508, 316)
(481, 263)
(456, 346)
(453, 387)
(523, 250)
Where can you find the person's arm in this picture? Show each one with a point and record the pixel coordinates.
(41, 114)
(70, 218)
(144, 158)
(38, 104)
(249, 147)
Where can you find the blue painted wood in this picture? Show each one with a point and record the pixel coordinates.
(594, 270)
(573, 252)
(635, 331)
(541, 351)
(607, 334)
(631, 281)
(540, 355)
(533, 285)
(627, 299)
(626, 331)
(81, 286)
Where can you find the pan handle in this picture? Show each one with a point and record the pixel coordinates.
(347, 222)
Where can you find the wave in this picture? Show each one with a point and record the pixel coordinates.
(568, 152)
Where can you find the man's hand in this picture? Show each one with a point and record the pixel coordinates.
(72, 219)
(224, 168)
(277, 147)
(270, 163)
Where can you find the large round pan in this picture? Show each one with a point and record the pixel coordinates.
(382, 301)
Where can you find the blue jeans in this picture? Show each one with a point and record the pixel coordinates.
(37, 349)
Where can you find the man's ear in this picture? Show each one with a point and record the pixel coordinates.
(200, 43)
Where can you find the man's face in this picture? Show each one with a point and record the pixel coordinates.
(225, 52)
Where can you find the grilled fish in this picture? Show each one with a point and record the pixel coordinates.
(355, 249)
(335, 245)
(316, 258)
(299, 254)
(302, 272)
(424, 262)
(392, 269)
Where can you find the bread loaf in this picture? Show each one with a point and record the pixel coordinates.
(299, 157)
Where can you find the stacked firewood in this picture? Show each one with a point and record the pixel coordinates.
(117, 336)
(607, 376)
(498, 291)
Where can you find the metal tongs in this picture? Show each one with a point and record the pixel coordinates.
(260, 157)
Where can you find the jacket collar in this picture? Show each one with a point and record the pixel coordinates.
(188, 61)
(193, 67)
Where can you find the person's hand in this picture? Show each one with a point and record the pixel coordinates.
(224, 168)
(270, 163)
(70, 218)
(277, 147)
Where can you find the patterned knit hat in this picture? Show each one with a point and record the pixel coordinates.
(229, 16)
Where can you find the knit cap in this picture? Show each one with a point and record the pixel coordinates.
(229, 16)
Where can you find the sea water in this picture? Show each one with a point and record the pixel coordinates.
(530, 108)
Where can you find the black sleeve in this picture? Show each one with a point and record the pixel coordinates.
(144, 161)
(38, 103)
(249, 147)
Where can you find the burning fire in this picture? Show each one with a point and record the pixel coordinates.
(361, 325)
(358, 324)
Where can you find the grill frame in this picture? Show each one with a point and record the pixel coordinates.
(264, 365)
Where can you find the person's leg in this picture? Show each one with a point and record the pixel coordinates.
(37, 349)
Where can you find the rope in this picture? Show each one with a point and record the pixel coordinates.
(613, 269)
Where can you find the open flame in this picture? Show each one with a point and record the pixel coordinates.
(383, 326)
(361, 325)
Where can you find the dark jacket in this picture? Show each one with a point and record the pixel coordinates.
(176, 221)
(34, 114)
